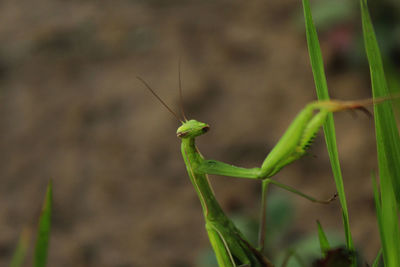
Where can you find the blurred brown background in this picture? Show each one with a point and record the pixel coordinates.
(72, 110)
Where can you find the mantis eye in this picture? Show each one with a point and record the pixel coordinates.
(205, 129)
(182, 134)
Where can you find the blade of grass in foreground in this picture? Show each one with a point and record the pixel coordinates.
(21, 249)
(42, 242)
(388, 148)
(378, 208)
(384, 117)
(376, 261)
(329, 127)
(393, 80)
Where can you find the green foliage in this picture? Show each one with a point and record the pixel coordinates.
(377, 259)
(321, 86)
(21, 249)
(43, 235)
(387, 197)
(323, 240)
(388, 141)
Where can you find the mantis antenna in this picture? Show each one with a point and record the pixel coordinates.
(180, 90)
(159, 98)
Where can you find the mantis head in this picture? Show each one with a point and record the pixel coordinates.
(192, 128)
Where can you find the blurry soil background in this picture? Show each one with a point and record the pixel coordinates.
(72, 110)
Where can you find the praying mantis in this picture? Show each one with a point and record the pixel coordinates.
(230, 246)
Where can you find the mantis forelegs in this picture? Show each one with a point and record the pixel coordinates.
(291, 146)
(300, 134)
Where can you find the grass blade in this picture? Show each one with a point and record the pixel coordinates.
(329, 127)
(378, 208)
(376, 261)
(323, 240)
(21, 249)
(388, 148)
(387, 135)
(42, 242)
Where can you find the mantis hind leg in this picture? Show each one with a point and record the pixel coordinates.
(265, 184)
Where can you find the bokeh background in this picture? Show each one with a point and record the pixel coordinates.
(72, 110)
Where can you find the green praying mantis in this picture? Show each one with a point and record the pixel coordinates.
(231, 247)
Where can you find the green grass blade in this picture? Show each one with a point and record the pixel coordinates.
(21, 249)
(388, 148)
(329, 127)
(376, 261)
(388, 227)
(378, 207)
(323, 240)
(42, 242)
(393, 80)
(387, 135)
